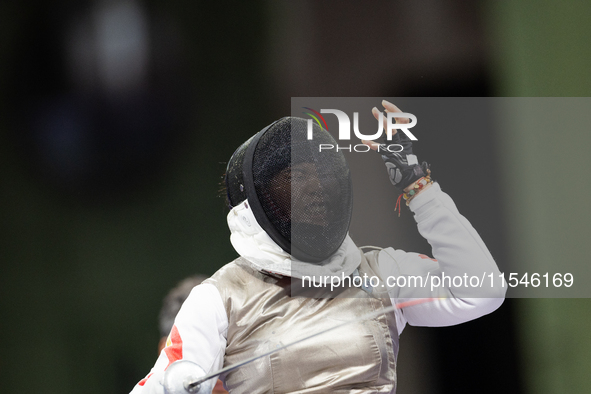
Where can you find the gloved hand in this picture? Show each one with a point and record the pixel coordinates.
(181, 373)
(402, 165)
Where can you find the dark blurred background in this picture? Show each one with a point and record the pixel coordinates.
(117, 118)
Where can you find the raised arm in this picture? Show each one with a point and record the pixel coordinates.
(462, 277)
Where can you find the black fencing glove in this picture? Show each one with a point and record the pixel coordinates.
(402, 165)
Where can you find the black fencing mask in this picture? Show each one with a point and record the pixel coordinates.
(300, 196)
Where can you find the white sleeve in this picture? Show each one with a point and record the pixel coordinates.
(199, 335)
(458, 252)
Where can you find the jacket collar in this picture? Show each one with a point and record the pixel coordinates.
(251, 241)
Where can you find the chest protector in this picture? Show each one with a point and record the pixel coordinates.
(262, 315)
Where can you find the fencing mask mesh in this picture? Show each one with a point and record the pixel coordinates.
(299, 195)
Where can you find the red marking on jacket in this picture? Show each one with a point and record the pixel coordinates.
(174, 346)
(144, 380)
(424, 256)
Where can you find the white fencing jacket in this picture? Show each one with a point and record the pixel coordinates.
(462, 276)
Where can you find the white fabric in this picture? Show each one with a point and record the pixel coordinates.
(203, 324)
(459, 251)
(154, 385)
(254, 244)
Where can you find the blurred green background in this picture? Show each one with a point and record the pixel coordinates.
(117, 117)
